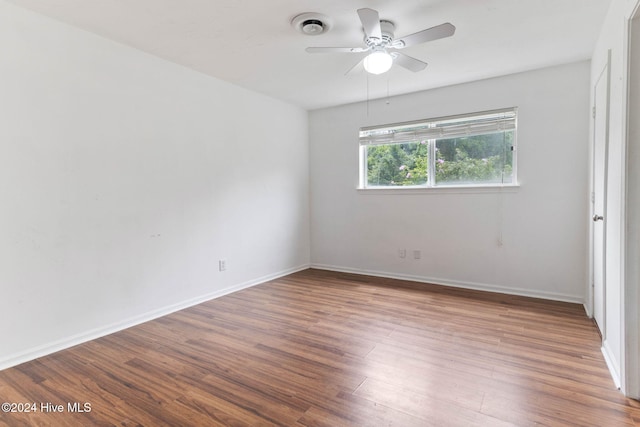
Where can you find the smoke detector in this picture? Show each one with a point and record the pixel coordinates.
(311, 23)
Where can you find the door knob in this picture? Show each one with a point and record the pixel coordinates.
(597, 217)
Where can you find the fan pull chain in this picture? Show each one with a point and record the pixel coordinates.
(367, 94)
(388, 99)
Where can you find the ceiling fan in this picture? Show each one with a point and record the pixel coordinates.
(383, 47)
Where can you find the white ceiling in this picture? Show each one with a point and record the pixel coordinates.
(252, 44)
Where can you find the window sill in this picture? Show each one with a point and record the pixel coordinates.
(451, 189)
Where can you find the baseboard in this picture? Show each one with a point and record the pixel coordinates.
(614, 369)
(587, 311)
(68, 342)
(74, 340)
(455, 283)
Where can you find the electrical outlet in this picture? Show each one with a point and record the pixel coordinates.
(402, 253)
(417, 254)
(222, 265)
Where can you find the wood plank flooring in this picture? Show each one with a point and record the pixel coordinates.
(320, 348)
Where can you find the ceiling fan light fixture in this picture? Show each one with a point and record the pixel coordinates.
(378, 62)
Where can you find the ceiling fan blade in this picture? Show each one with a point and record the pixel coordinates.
(434, 33)
(370, 22)
(408, 62)
(336, 49)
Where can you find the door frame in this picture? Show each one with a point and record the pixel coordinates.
(630, 363)
(605, 72)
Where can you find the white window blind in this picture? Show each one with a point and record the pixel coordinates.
(440, 128)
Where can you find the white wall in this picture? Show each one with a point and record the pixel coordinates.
(613, 37)
(543, 224)
(124, 178)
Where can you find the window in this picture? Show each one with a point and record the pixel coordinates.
(469, 150)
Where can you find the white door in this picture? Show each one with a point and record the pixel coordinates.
(599, 196)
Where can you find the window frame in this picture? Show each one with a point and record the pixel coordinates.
(425, 126)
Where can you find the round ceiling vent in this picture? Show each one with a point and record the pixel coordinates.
(311, 23)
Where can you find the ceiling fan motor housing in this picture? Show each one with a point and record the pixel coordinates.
(387, 28)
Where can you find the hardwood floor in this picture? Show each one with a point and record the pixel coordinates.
(328, 349)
